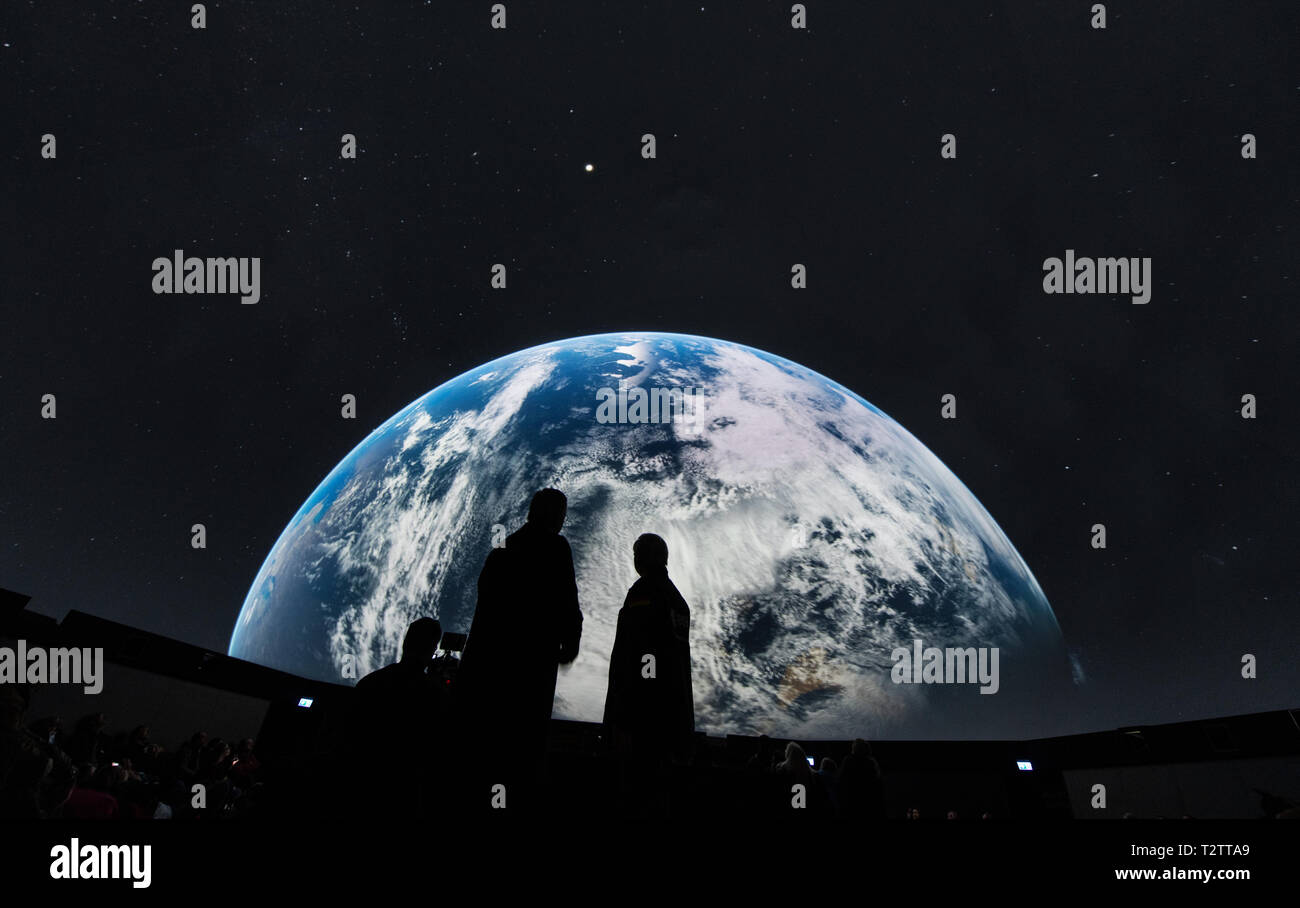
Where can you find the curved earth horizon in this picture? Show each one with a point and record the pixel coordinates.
(813, 537)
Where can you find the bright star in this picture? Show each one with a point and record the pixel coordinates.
(590, 167)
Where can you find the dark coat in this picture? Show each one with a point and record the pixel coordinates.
(395, 741)
(401, 703)
(861, 789)
(651, 713)
(527, 622)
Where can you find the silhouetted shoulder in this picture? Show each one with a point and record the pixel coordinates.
(561, 545)
(495, 572)
(377, 680)
(495, 559)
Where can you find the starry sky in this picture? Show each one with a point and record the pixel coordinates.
(774, 146)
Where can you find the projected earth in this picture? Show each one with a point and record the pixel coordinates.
(809, 532)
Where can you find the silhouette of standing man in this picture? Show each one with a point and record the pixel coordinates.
(649, 707)
(526, 624)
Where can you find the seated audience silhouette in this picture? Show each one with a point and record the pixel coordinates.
(861, 790)
(396, 718)
(791, 771)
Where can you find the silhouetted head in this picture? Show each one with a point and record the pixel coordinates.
(421, 640)
(213, 759)
(91, 724)
(44, 728)
(547, 510)
(1272, 804)
(13, 706)
(650, 554)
